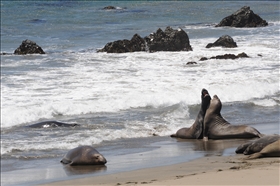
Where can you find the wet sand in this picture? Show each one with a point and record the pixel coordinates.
(214, 170)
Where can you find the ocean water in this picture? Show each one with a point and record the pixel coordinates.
(129, 96)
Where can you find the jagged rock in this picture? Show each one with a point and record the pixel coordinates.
(226, 56)
(169, 40)
(243, 18)
(121, 46)
(28, 47)
(224, 41)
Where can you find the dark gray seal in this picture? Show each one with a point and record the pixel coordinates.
(84, 155)
(216, 127)
(195, 131)
(52, 124)
(256, 145)
(271, 150)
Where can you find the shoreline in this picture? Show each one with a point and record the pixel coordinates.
(213, 170)
(151, 161)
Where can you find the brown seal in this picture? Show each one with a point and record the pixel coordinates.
(271, 150)
(216, 127)
(256, 145)
(84, 155)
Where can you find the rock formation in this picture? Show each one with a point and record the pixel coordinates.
(224, 41)
(168, 40)
(28, 47)
(243, 18)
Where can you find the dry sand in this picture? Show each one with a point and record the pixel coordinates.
(213, 170)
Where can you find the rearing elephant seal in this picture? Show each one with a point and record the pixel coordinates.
(195, 131)
(84, 155)
(216, 127)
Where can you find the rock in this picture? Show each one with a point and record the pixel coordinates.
(242, 55)
(243, 18)
(224, 41)
(121, 46)
(203, 59)
(168, 40)
(4, 53)
(226, 56)
(191, 63)
(109, 8)
(28, 47)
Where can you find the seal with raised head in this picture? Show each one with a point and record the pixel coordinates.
(84, 155)
(271, 150)
(195, 131)
(52, 124)
(256, 145)
(216, 127)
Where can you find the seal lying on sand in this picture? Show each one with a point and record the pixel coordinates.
(271, 150)
(195, 131)
(84, 155)
(256, 145)
(216, 127)
(52, 124)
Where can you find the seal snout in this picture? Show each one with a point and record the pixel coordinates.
(204, 93)
(100, 159)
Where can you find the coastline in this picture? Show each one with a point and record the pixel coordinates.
(153, 161)
(213, 170)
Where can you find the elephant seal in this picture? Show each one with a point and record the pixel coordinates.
(256, 145)
(271, 150)
(195, 131)
(52, 124)
(216, 127)
(83, 155)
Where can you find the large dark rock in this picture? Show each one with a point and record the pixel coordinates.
(121, 46)
(168, 40)
(28, 47)
(243, 18)
(224, 41)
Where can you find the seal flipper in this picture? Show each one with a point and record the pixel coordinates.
(241, 148)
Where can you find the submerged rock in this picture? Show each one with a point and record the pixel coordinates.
(28, 47)
(243, 18)
(226, 56)
(121, 46)
(109, 8)
(224, 41)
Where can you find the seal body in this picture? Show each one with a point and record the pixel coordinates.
(84, 155)
(271, 150)
(52, 124)
(216, 127)
(256, 145)
(195, 131)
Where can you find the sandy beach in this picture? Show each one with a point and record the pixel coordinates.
(214, 170)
